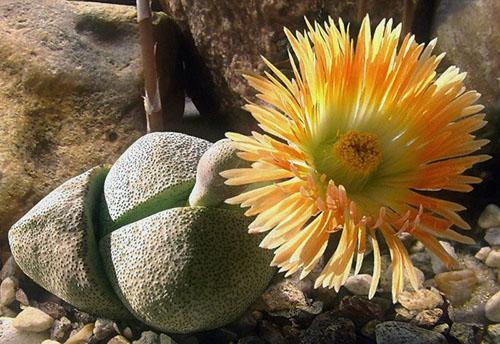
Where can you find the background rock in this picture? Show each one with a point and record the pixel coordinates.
(70, 96)
(469, 32)
(225, 38)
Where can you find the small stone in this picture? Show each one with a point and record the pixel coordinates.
(457, 285)
(493, 333)
(391, 332)
(7, 291)
(492, 236)
(33, 320)
(442, 328)
(368, 330)
(417, 247)
(104, 328)
(148, 337)
(326, 295)
(60, 329)
(50, 341)
(428, 318)
(359, 284)
(127, 333)
(492, 308)
(22, 298)
(483, 253)
(490, 217)
(473, 311)
(282, 296)
(53, 309)
(270, 333)
(422, 260)
(10, 335)
(328, 328)
(463, 333)
(118, 340)
(437, 264)
(493, 259)
(83, 317)
(360, 309)
(81, 336)
(164, 339)
(10, 269)
(251, 340)
(420, 299)
(403, 314)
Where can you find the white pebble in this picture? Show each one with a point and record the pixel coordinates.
(7, 291)
(492, 308)
(10, 335)
(493, 259)
(33, 320)
(359, 284)
(483, 253)
(492, 236)
(490, 217)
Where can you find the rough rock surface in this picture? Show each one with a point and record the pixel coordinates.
(70, 96)
(182, 270)
(329, 328)
(390, 332)
(10, 335)
(228, 37)
(469, 32)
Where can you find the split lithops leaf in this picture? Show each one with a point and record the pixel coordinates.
(157, 172)
(55, 245)
(187, 269)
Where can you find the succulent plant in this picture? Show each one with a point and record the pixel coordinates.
(124, 241)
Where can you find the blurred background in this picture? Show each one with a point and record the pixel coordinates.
(71, 79)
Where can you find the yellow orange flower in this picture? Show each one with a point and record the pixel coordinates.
(352, 140)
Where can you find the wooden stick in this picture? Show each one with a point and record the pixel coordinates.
(152, 102)
(361, 10)
(408, 12)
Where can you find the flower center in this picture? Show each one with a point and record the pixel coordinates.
(359, 151)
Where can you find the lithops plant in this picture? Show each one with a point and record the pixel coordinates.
(126, 242)
(157, 172)
(210, 189)
(187, 269)
(55, 245)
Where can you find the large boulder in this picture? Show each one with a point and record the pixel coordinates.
(70, 96)
(229, 37)
(469, 32)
